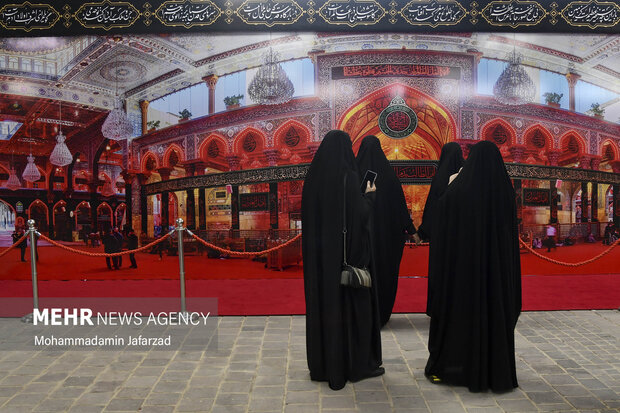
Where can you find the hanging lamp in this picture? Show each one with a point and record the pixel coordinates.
(61, 156)
(31, 172)
(117, 125)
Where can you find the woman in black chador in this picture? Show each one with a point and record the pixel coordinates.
(391, 222)
(450, 161)
(343, 339)
(476, 276)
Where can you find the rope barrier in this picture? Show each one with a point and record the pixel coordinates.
(241, 253)
(3, 253)
(569, 264)
(103, 254)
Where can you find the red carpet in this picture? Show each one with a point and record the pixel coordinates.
(245, 287)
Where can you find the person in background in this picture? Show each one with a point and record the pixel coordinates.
(590, 238)
(537, 243)
(550, 240)
(119, 245)
(110, 246)
(132, 244)
(17, 234)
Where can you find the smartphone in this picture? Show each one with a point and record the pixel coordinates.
(370, 176)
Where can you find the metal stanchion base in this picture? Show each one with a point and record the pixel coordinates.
(27, 318)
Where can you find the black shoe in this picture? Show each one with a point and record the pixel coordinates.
(434, 379)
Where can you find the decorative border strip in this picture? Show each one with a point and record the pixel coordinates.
(298, 172)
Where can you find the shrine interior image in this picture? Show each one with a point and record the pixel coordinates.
(136, 131)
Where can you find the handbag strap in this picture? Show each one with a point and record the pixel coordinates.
(344, 218)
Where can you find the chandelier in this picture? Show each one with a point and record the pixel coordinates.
(60, 155)
(271, 85)
(117, 126)
(13, 182)
(514, 86)
(31, 172)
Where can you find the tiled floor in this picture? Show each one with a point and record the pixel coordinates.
(566, 361)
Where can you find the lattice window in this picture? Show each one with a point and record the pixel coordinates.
(151, 164)
(538, 139)
(499, 135)
(291, 137)
(249, 142)
(173, 159)
(213, 149)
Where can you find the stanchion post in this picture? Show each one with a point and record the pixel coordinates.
(180, 230)
(33, 269)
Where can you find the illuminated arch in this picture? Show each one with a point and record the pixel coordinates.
(35, 203)
(12, 209)
(533, 141)
(565, 142)
(280, 135)
(173, 148)
(59, 203)
(77, 210)
(145, 158)
(610, 151)
(436, 126)
(109, 208)
(489, 129)
(213, 151)
(121, 205)
(252, 147)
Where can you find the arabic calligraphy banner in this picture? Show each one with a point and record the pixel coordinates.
(420, 173)
(536, 197)
(258, 201)
(71, 17)
(392, 70)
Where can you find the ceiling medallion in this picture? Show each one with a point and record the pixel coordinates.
(398, 120)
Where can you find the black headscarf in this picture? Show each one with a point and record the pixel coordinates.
(343, 339)
(475, 276)
(450, 161)
(391, 222)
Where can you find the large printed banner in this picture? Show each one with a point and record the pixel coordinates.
(53, 18)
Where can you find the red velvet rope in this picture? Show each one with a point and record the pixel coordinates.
(3, 253)
(569, 264)
(241, 253)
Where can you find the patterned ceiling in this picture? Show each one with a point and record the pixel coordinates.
(86, 72)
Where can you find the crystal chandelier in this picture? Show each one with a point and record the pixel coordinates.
(31, 172)
(514, 86)
(271, 85)
(13, 182)
(117, 126)
(60, 155)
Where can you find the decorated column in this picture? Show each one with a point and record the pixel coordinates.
(615, 166)
(273, 205)
(211, 81)
(144, 213)
(202, 209)
(128, 178)
(94, 202)
(165, 205)
(572, 81)
(584, 202)
(190, 209)
(518, 186)
(234, 207)
(553, 202)
(144, 108)
(594, 203)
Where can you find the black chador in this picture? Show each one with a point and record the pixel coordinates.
(343, 339)
(475, 274)
(450, 161)
(391, 221)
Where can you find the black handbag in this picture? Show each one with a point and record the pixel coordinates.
(351, 276)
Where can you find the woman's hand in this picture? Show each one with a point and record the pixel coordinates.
(370, 188)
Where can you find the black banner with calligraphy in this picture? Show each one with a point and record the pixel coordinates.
(421, 173)
(258, 201)
(72, 17)
(536, 197)
(395, 70)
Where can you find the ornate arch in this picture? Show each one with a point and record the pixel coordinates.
(436, 125)
(213, 150)
(77, 209)
(610, 151)
(250, 142)
(2, 201)
(143, 162)
(292, 134)
(173, 148)
(533, 140)
(499, 132)
(59, 203)
(106, 205)
(37, 202)
(566, 143)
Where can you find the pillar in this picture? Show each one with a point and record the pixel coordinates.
(553, 202)
(144, 213)
(202, 209)
(144, 109)
(50, 215)
(594, 203)
(584, 202)
(165, 209)
(616, 200)
(572, 81)
(194, 167)
(190, 209)
(234, 207)
(164, 172)
(128, 178)
(94, 203)
(518, 186)
(273, 205)
(211, 81)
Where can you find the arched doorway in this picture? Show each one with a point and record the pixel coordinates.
(63, 224)
(83, 220)
(409, 124)
(39, 212)
(120, 215)
(104, 217)
(7, 217)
